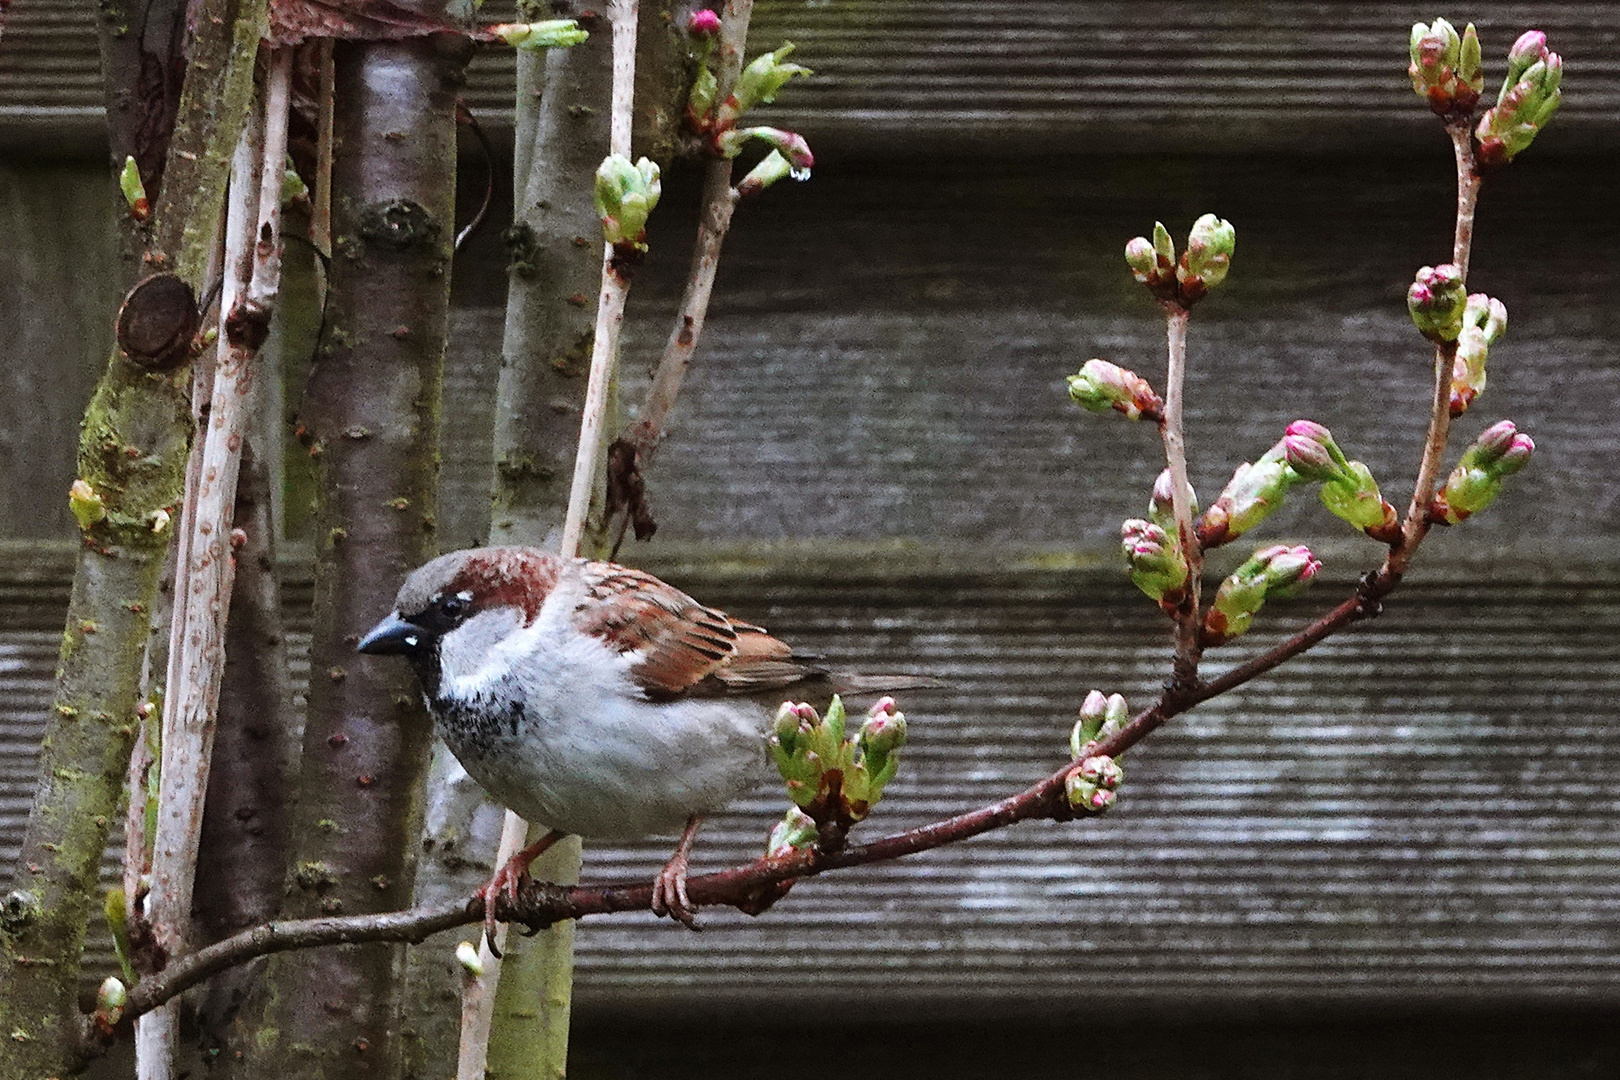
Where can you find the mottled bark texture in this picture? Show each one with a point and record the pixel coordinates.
(555, 247)
(370, 416)
(132, 454)
(243, 854)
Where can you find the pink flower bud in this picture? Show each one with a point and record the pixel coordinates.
(703, 23)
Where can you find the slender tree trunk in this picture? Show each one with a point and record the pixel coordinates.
(132, 457)
(371, 412)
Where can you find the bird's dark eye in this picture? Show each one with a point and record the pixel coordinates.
(453, 606)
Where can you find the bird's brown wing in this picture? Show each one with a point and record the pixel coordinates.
(684, 647)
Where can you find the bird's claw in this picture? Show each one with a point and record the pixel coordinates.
(669, 894)
(504, 882)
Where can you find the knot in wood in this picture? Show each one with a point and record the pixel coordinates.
(399, 224)
(157, 322)
(247, 325)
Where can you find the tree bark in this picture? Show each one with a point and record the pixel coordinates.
(371, 415)
(132, 454)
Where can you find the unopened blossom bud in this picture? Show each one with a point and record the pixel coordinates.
(1153, 560)
(1524, 106)
(771, 168)
(1530, 49)
(785, 727)
(129, 182)
(625, 196)
(1208, 257)
(796, 830)
(1272, 573)
(1500, 451)
(1141, 258)
(1311, 459)
(111, 997)
(1437, 301)
(790, 145)
(881, 735)
(87, 506)
(467, 956)
(550, 34)
(1348, 488)
(1484, 321)
(759, 83)
(1093, 714)
(703, 23)
(1253, 493)
(1101, 386)
(1162, 503)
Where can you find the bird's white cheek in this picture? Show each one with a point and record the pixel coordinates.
(475, 650)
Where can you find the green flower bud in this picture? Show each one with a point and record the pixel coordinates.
(625, 196)
(1446, 70)
(551, 34)
(469, 959)
(1208, 257)
(1251, 496)
(1117, 716)
(87, 506)
(1500, 451)
(790, 145)
(1092, 712)
(759, 83)
(880, 738)
(1348, 488)
(1530, 49)
(1471, 65)
(1087, 797)
(1484, 321)
(1101, 386)
(1102, 771)
(129, 182)
(1162, 502)
(1162, 244)
(1525, 104)
(700, 99)
(1153, 560)
(1142, 259)
(1437, 301)
(1272, 573)
(796, 830)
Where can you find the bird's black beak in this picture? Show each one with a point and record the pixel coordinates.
(394, 637)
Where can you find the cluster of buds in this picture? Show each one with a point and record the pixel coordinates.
(1447, 70)
(1092, 785)
(1437, 301)
(1153, 555)
(757, 84)
(1201, 267)
(1528, 99)
(1348, 488)
(1484, 320)
(625, 196)
(1272, 573)
(836, 780)
(1100, 386)
(550, 34)
(129, 182)
(1500, 451)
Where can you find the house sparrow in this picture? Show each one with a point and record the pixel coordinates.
(591, 697)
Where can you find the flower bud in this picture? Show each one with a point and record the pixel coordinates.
(87, 506)
(1484, 321)
(1092, 712)
(1500, 451)
(1153, 560)
(1208, 257)
(1153, 262)
(1162, 502)
(1311, 460)
(1272, 573)
(1101, 386)
(1117, 716)
(551, 34)
(111, 997)
(1356, 499)
(1528, 99)
(1142, 259)
(758, 83)
(882, 735)
(129, 182)
(1163, 246)
(1253, 493)
(467, 956)
(1437, 301)
(790, 145)
(1102, 771)
(785, 727)
(796, 830)
(625, 196)
(703, 23)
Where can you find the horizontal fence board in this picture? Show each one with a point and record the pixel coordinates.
(1424, 808)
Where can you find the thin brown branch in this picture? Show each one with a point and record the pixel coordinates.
(1189, 646)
